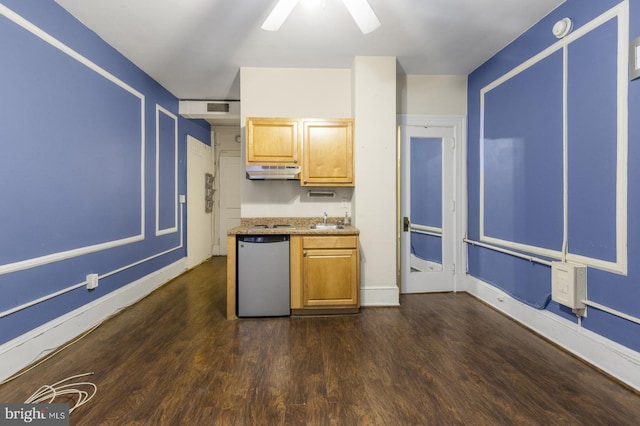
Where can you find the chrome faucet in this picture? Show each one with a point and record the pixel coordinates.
(324, 219)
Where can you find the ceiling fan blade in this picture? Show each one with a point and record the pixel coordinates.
(278, 15)
(362, 13)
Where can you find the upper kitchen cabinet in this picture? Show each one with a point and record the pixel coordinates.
(327, 152)
(273, 141)
(322, 148)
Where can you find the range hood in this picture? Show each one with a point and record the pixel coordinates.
(264, 172)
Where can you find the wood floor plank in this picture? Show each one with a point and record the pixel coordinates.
(439, 359)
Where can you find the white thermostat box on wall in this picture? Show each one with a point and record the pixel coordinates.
(569, 284)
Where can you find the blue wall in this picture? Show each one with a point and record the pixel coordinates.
(529, 212)
(78, 166)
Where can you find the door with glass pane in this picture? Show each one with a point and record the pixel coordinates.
(427, 209)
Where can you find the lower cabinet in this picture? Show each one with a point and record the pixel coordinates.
(325, 274)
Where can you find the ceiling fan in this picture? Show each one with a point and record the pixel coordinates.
(360, 11)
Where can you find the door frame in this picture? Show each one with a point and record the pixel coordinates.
(458, 123)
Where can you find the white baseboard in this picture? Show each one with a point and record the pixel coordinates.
(37, 343)
(380, 296)
(612, 358)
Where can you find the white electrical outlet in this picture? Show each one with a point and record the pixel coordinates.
(343, 203)
(92, 281)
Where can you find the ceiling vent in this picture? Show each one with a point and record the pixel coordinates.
(210, 109)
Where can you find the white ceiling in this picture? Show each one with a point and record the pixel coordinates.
(195, 48)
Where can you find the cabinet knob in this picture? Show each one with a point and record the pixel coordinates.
(295, 160)
(304, 253)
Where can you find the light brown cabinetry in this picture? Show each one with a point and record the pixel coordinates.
(322, 148)
(325, 274)
(273, 141)
(328, 152)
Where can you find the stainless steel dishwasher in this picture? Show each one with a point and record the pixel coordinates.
(263, 275)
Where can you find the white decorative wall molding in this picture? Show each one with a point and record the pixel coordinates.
(75, 252)
(620, 12)
(174, 228)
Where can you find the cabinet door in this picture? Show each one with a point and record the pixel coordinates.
(328, 153)
(330, 277)
(272, 141)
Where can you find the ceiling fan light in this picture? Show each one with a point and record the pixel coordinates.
(363, 14)
(278, 15)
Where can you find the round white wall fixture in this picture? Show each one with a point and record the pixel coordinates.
(562, 27)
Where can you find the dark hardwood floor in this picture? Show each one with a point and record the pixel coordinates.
(440, 359)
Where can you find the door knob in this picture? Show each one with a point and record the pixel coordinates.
(406, 224)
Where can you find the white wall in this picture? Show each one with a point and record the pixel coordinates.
(370, 93)
(367, 93)
(292, 92)
(432, 94)
(374, 102)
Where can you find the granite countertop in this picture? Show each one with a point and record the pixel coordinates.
(289, 225)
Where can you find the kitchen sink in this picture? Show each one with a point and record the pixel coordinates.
(320, 226)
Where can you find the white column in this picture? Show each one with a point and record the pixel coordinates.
(374, 104)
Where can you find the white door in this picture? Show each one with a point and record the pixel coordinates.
(427, 209)
(230, 177)
(199, 221)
